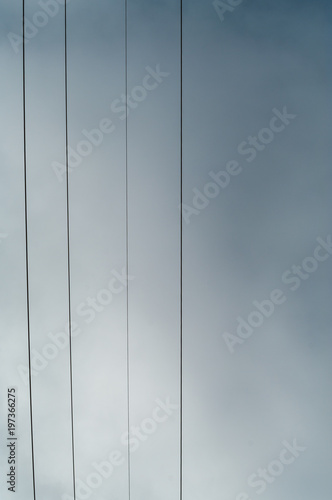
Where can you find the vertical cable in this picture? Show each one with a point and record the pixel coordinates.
(181, 254)
(127, 242)
(68, 262)
(27, 252)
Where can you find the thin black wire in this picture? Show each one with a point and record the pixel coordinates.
(27, 254)
(127, 246)
(181, 251)
(68, 262)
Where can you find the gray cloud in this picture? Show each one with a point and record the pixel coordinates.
(237, 409)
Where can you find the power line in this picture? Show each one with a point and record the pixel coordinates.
(127, 242)
(181, 251)
(27, 252)
(68, 260)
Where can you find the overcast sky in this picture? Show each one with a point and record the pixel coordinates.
(256, 117)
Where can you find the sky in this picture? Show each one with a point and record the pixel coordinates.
(256, 249)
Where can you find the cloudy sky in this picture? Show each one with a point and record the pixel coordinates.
(257, 248)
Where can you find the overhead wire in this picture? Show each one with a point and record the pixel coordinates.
(27, 251)
(127, 241)
(68, 255)
(181, 250)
